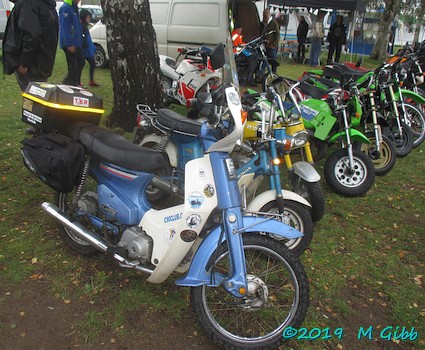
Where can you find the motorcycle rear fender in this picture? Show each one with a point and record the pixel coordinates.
(355, 135)
(306, 171)
(268, 196)
(198, 274)
(170, 149)
(167, 70)
(411, 95)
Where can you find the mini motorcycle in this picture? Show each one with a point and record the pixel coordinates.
(182, 81)
(238, 275)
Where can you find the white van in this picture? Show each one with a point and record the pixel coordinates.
(5, 8)
(189, 23)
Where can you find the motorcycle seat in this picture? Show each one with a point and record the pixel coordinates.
(175, 122)
(105, 145)
(313, 91)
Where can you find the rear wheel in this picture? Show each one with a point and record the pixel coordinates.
(268, 80)
(403, 142)
(312, 192)
(277, 297)
(166, 84)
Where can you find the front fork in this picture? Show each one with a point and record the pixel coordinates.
(376, 126)
(348, 138)
(395, 108)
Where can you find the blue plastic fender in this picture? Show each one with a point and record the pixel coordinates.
(198, 274)
(354, 134)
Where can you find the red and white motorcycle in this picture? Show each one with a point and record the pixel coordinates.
(182, 82)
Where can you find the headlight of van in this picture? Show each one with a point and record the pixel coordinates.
(300, 138)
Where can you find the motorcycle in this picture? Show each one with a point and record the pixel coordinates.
(348, 171)
(182, 82)
(168, 132)
(237, 275)
(302, 176)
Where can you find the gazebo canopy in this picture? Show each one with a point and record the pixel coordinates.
(354, 5)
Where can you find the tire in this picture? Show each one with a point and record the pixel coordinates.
(297, 216)
(267, 81)
(100, 57)
(89, 201)
(349, 185)
(281, 297)
(312, 192)
(387, 154)
(403, 143)
(154, 194)
(415, 119)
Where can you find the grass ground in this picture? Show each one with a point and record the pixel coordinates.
(366, 262)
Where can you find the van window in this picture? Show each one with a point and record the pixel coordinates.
(159, 12)
(183, 15)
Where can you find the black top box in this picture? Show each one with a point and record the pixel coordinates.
(56, 107)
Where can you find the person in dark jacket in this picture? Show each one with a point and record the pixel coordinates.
(89, 49)
(302, 31)
(30, 41)
(71, 40)
(269, 25)
(337, 37)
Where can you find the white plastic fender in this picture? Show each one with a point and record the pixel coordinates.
(306, 171)
(170, 149)
(262, 199)
(166, 69)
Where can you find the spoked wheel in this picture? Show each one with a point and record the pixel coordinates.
(88, 202)
(297, 216)
(278, 296)
(403, 142)
(384, 159)
(415, 119)
(268, 80)
(312, 192)
(347, 181)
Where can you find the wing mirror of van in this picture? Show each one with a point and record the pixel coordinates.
(217, 57)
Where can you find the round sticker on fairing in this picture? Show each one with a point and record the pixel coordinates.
(195, 200)
(209, 191)
(193, 220)
(66, 89)
(234, 98)
(169, 235)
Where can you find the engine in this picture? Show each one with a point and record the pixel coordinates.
(138, 244)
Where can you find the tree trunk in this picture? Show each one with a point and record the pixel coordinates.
(133, 59)
(392, 8)
(417, 32)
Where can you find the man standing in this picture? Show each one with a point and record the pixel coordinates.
(316, 40)
(71, 40)
(337, 37)
(302, 31)
(269, 25)
(30, 42)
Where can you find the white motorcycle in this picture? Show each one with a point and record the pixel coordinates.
(182, 82)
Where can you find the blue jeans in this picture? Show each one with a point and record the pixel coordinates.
(316, 48)
(272, 53)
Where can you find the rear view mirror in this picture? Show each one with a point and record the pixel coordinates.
(217, 57)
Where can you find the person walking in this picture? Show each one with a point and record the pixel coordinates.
(316, 40)
(302, 31)
(269, 25)
(30, 41)
(89, 49)
(70, 37)
(337, 37)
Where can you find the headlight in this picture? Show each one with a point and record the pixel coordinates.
(402, 74)
(419, 79)
(300, 138)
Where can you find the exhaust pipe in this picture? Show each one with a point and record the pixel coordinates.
(90, 237)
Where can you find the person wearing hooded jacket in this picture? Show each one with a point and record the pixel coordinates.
(71, 40)
(89, 49)
(30, 42)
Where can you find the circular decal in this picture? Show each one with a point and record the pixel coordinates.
(234, 98)
(66, 88)
(195, 200)
(47, 86)
(188, 235)
(209, 191)
(86, 93)
(193, 220)
(169, 235)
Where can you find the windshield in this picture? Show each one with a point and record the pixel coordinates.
(230, 73)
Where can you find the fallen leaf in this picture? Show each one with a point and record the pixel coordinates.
(34, 260)
(67, 301)
(22, 313)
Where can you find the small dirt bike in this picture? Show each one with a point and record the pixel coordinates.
(182, 81)
(169, 132)
(238, 275)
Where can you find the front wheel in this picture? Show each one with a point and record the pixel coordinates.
(403, 142)
(100, 57)
(277, 297)
(268, 79)
(384, 159)
(346, 180)
(297, 216)
(312, 192)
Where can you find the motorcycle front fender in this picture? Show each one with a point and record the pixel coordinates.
(355, 135)
(268, 196)
(306, 171)
(198, 271)
(407, 94)
(170, 149)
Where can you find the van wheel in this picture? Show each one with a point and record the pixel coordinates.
(100, 57)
